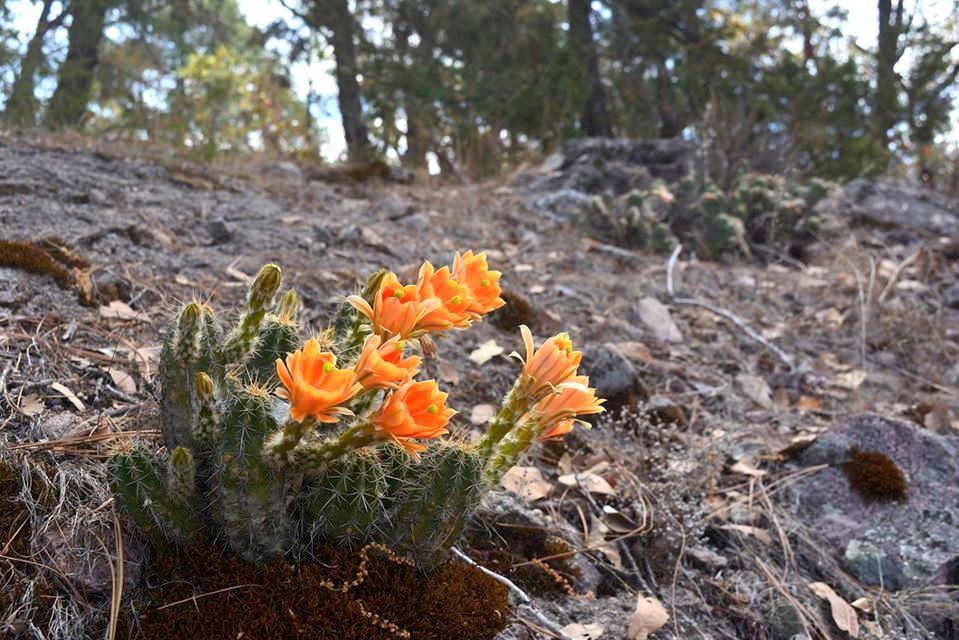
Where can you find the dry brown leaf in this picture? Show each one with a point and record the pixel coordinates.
(123, 380)
(657, 318)
(809, 403)
(755, 532)
(481, 414)
(596, 539)
(486, 352)
(578, 631)
(648, 617)
(526, 482)
(842, 613)
(69, 395)
(850, 380)
(118, 310)
(756, 389)
(448, 373)
(863, 604)
(746, 468)
(593, 482)
(31, 405)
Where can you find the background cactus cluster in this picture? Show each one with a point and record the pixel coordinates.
(762, 209)
(274, 446)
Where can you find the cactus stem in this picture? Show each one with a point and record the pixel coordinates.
(510, 450)
(514, 407)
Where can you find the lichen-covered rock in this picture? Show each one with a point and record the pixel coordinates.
(613, 375)
(898, 543)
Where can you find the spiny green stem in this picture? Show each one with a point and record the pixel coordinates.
(510, 450)
(514, 407)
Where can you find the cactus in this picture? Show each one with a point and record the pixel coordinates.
(274, 449)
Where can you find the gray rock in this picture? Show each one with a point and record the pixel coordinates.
(895, 204)
(951, 295)
(284, 169)
(908, 541)
(220, 231)
(323, 235)
(611, 373)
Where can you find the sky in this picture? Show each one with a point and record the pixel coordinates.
(861, 25)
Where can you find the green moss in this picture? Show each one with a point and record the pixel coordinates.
(226, 597)
(875, 476)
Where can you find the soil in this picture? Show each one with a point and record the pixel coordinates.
(680, 490)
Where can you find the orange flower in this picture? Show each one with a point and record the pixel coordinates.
(558, 430)
(456, 300)
(313, 384)
(396, 310)
(551, 365)
(473, 271)
(381, 364)
(415, 410)
(571, 399)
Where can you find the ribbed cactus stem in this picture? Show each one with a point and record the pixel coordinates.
(515, 405)
(510, 450)
(181, 476)
(293, 450)
(187, 345)
(242, 339)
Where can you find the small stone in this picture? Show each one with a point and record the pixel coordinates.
(612, 374)
(323, 235)
(871, 566)
(220, 231)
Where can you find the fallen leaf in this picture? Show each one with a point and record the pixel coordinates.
(746, 468)
(594, 483)
(842, 613)
(755, 532)
(448, 373)
(520, 268)
(31, 405)
(526, 482)
(486, 352)
(69, 395)
(291, 220)
(481, 414)
(596, 539)
(181, 279)
(123, 380)
(863, 604)
(578, 631)
(119, 310)
(756, 389)
(851, 380)
(657, 318)
(648, 618)
(809, 403)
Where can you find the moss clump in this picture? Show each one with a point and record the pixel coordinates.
(32, 259)
(875, 476)
(281, 601)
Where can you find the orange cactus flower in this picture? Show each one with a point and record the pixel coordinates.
(558, 430)
(313, 384)
(414, 410)
(381, 365)
(571, 399)
(455, 297)
(551, 365)
(397, 308)
(473, 271)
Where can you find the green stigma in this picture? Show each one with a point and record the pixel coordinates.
(432, 408)
(399, 294)
(457, 299)
(484, 283)
(569, 348)
(328, 367)
(400, 345)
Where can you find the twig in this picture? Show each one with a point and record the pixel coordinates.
(196, 597)
(519, 593)
(719, 311)
(894, 278)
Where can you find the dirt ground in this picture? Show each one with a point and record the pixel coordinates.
(683, 493)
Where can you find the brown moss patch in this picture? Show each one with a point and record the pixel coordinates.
(202, 595)
(875, 476)
(516, 312)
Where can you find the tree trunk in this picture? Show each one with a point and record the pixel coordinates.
(75, 77)
(887, 54)
(336, 16)
(22, 106)
(594, 116)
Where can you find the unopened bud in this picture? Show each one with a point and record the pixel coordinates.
(204, 386)
(190, 317)
(265, 286)
(289, 305)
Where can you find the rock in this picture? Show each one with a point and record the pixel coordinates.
(896, 204)
(612, 374)
(284, 169)
(323, 235)
(909, 541)
(951, 296)
(82, 560)
(220, 231)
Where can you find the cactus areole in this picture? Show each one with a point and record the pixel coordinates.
(275, 444)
